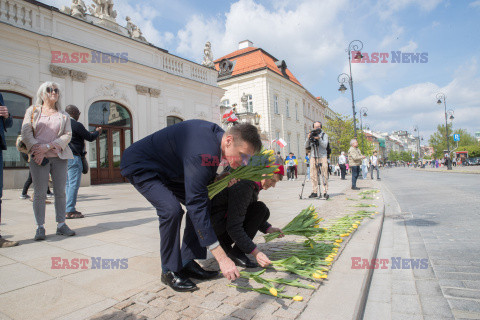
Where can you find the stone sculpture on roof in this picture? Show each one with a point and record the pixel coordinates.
(103, 9)
(208, 56)
(134, 31)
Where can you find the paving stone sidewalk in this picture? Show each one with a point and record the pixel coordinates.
(119, 223)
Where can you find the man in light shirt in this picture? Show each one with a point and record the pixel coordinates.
(342, 162)
(374, 165)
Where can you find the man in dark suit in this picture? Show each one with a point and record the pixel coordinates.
(6, 121)
(175, 165)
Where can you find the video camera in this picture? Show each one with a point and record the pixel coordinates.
(314, 133)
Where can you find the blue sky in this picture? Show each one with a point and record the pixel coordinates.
(312, 35)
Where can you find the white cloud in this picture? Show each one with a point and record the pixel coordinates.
(387, 8)
(290, 34)
(475, 4)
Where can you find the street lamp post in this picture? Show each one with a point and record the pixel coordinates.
(440, 97)
(363, 113)
(415, 128)
(355, 45)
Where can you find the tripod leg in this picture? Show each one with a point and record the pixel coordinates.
(303, 185)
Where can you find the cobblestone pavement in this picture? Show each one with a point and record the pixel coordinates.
(455, 169)
(120, 223)
(215, 300)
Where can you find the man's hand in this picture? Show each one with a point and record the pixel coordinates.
(232, 182)
(221, 176)
(262, 259)
(227, 266)
(98, 129)
(4, 112)
(273, 230)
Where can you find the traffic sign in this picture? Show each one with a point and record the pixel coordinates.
(456, 137)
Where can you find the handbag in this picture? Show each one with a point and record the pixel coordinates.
(21, 146)
(84, 163)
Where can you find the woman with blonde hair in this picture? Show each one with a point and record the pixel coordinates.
(46, 132)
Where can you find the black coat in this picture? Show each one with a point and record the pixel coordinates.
(79, 135)
(228, 212)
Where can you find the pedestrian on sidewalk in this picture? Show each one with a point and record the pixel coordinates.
(317, 143)
(237, 216)
(75, 165)
(6, 121)
(152, 166)
(307, 161)
(296, 166)
(290, 162)
(342, 162)
(46, 132)
(355, 158)
(278, 159)
(374, 165)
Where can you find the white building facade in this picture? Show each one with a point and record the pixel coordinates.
(285, 108)
(124, 84)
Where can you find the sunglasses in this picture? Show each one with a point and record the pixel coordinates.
(50, 90)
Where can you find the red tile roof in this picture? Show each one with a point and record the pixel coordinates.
(252, 59)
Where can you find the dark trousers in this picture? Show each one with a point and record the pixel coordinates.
(290, 172)
(296, 172)
(372, 167)
(166, 198)
(256, 215)
(343, 170)
(355, 175)
(28, 183)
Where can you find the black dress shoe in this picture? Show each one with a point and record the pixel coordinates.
(178, 283)
(313, 195)
(241, 260)
(355, 188)
(326, 196)
(193, 270)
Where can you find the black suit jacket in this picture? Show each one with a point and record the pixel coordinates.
(188, 152)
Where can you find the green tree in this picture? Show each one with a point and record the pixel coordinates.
(340, 132)
(438, 140)
(466, 139)
(393, 156)
(473, 150)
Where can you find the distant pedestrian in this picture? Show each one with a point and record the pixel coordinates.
(290, 163)
(307, 161)
(355, 158)
(342, 162)
(75, 165)
(374, 165)
(279, 159)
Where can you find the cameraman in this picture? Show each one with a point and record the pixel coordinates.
(316, 143)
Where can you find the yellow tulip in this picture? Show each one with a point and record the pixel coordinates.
(324, 269)
(273, 291)
(317, 226)
(338, 240)
(357, 222)
(311, 245)
(315, 216)
(316, 275)
(297, 298)
(355, 226)
(328, 259)
(323, 276)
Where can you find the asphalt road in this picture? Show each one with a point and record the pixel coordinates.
(439, 213)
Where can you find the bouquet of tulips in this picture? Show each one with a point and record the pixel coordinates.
(260, 166)
(306, 224)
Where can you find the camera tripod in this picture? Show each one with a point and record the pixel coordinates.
(318, 166)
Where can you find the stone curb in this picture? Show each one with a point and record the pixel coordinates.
(345, 293)
(448, 171)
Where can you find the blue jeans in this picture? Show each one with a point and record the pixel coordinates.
(355, 174)
(308, 172)
(74, 177)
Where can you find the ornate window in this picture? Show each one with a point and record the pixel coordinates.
(17, 104)
(173, 120)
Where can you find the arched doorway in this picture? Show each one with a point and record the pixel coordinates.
(116, 136)
(171, 120)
